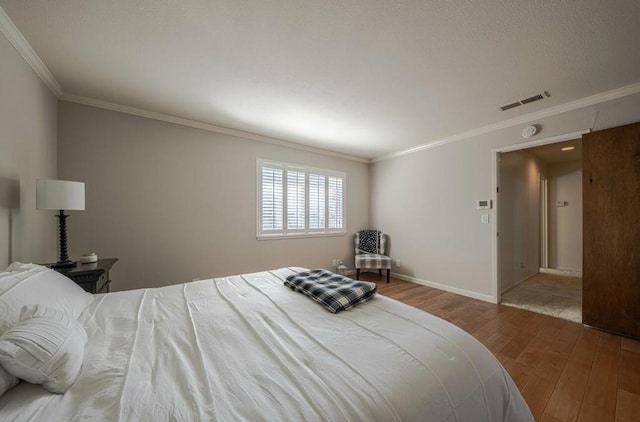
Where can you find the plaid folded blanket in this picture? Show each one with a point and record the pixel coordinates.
(333, 291)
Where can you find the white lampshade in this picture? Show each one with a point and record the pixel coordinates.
(59, 195)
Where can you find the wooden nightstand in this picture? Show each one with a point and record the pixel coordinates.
(93, 277)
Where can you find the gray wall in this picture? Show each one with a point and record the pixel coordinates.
(519, 217)
(176, 203)
(425, 200)
(28, 130)
(565, 223)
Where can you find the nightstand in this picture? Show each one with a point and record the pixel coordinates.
(92, 277)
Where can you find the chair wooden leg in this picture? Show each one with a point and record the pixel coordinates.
(357, 273)
(388, 272)
(380, 271)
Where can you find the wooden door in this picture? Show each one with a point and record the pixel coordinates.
(611, 230)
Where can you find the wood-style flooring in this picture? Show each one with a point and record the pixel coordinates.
(565, 371)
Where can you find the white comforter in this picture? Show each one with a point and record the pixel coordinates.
(248, 348)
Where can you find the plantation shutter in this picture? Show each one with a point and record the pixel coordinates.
(334, 202)
(295, 200)
(272, 198)
(316, 201)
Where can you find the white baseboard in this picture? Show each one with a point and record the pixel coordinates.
(451, 289)
(558, 271)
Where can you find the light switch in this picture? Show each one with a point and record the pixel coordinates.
(484, 218)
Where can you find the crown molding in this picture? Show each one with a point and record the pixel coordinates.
(8, 28)
(204, 126)
(526, 118)
(11, 32)
(15, 37)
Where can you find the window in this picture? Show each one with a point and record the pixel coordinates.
(299, 201)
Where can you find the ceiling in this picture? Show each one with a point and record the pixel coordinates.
(553, 153)
(358, 77)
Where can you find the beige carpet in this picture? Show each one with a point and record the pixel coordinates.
(550, 294)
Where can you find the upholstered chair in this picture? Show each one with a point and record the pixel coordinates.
(370, 249)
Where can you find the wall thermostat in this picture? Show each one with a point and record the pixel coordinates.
(484, 204)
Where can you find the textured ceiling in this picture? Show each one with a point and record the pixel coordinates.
(361, 77)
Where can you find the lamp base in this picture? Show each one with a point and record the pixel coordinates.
(63, 264)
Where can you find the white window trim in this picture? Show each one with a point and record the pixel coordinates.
(298, 233)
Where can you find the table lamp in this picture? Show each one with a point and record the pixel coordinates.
(61, 195)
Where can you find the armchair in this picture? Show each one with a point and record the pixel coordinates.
(370, 249)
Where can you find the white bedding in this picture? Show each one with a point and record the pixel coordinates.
(248, 348)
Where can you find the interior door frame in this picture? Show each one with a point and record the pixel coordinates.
(544, 222)
(495, 179)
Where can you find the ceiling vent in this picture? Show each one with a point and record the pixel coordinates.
(528, 100)
(512, 105)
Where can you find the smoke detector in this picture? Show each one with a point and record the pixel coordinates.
(529, 131)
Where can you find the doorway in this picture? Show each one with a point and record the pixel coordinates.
(539, 227)
(544, 223)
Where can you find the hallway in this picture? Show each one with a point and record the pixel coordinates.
(549, 294)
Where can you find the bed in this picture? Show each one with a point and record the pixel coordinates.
(246, 348)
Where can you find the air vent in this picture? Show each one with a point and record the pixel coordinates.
(508, 106)
(528, 100)
(532, 99)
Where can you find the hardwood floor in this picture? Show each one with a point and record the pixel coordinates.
(565, 371)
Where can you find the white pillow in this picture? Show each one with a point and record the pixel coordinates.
(17, 272)
(7, 381)
(46, 347)
(30, 284)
